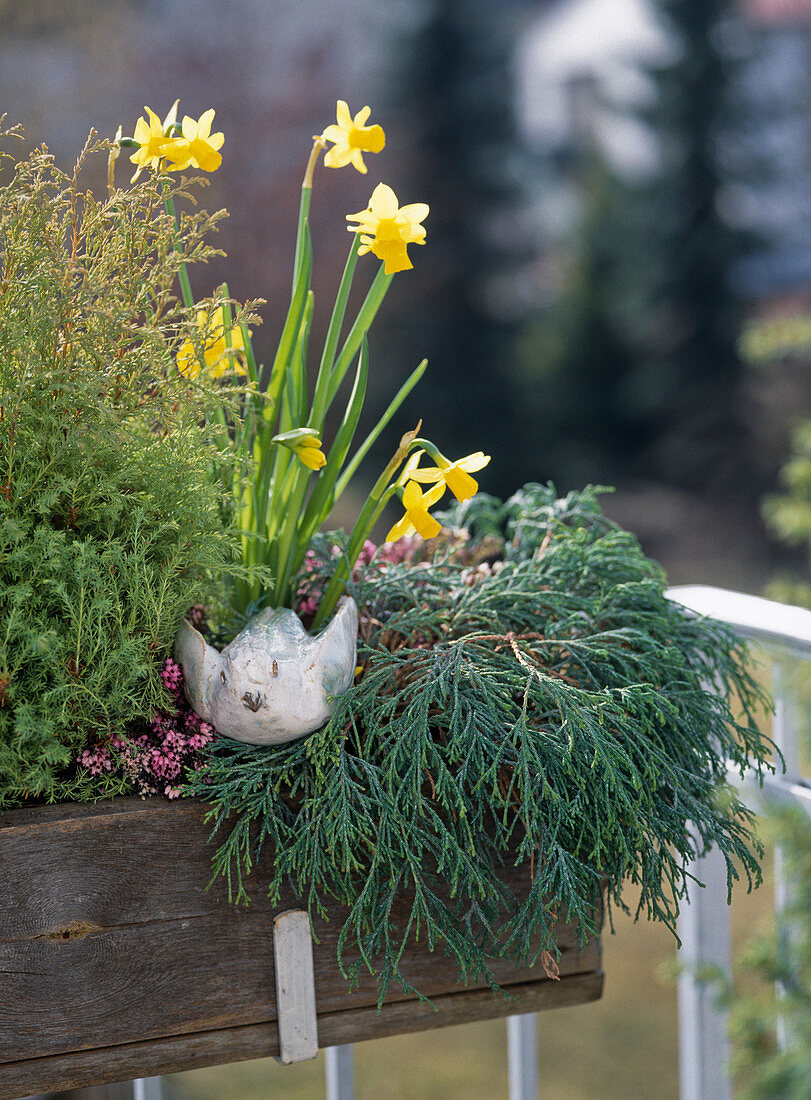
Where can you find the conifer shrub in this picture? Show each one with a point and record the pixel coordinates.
(527, 694)
(111, 523)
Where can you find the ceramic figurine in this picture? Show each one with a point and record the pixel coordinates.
(273, 682)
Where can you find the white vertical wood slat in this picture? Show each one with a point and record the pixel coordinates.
(295, 987)
(340, 1072)
(704, 931)
(522, 1056)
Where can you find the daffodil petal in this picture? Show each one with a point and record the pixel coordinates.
(427, 475)
(399, 530)
(383, 202)
(171, 117)
(394, 262)
(312, 457)
(414, 212)
(434, 495)
(411, 464)
(412, 496)
(343, 115)
(204, 123)
(461, 484)
(355, 158)
(374, 139)
(208, 159)
(474, 462)
(426, 526)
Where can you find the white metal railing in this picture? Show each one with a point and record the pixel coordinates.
(785, 634)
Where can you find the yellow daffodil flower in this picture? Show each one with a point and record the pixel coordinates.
(305, 445)
(456, 475)
(386, 228)
(352, 138)
(219, 360)
(308, 450)
(417, 519)
(198, 147)
(152, 139)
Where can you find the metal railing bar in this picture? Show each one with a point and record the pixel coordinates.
(522, 1056)
(703, 929)
(340, 1072)
(774, 624)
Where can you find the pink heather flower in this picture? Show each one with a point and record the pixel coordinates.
(155, 760)
(368, 551)
(393, 553)
(172, 675)
(96, 760)
(197, 616)
(307, 608)
(311, 561)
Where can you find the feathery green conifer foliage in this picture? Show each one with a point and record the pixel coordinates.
(547, 705)
(111, 525)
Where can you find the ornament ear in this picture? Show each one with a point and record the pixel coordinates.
(337, 648)
(201, 664)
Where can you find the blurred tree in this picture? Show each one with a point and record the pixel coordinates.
(788, 513)
(635, 365)
(452, 78)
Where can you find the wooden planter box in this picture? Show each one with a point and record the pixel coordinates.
(116, 962)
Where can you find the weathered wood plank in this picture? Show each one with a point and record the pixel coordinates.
(109, 938)
(179, 1053)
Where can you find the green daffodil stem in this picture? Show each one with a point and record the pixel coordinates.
(361, 325)
(322, 385)
(349, 472)
(432, 450)
(319, 145)
(182, 273)
(366, 521)
(377, 500)
(302, 269)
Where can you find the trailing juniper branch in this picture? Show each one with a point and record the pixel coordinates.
(527, 695)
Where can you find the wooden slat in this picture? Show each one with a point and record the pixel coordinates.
(109, 938)
(210, 1048)
(295, 987)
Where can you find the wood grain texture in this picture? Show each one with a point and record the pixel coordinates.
(179, 1053)
(113, 950)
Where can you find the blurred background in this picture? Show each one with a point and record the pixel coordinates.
(617, 189)
(613, 291)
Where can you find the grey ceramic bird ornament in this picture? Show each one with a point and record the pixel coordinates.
(274, 682)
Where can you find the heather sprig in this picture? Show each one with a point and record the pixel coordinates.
(157, 760)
